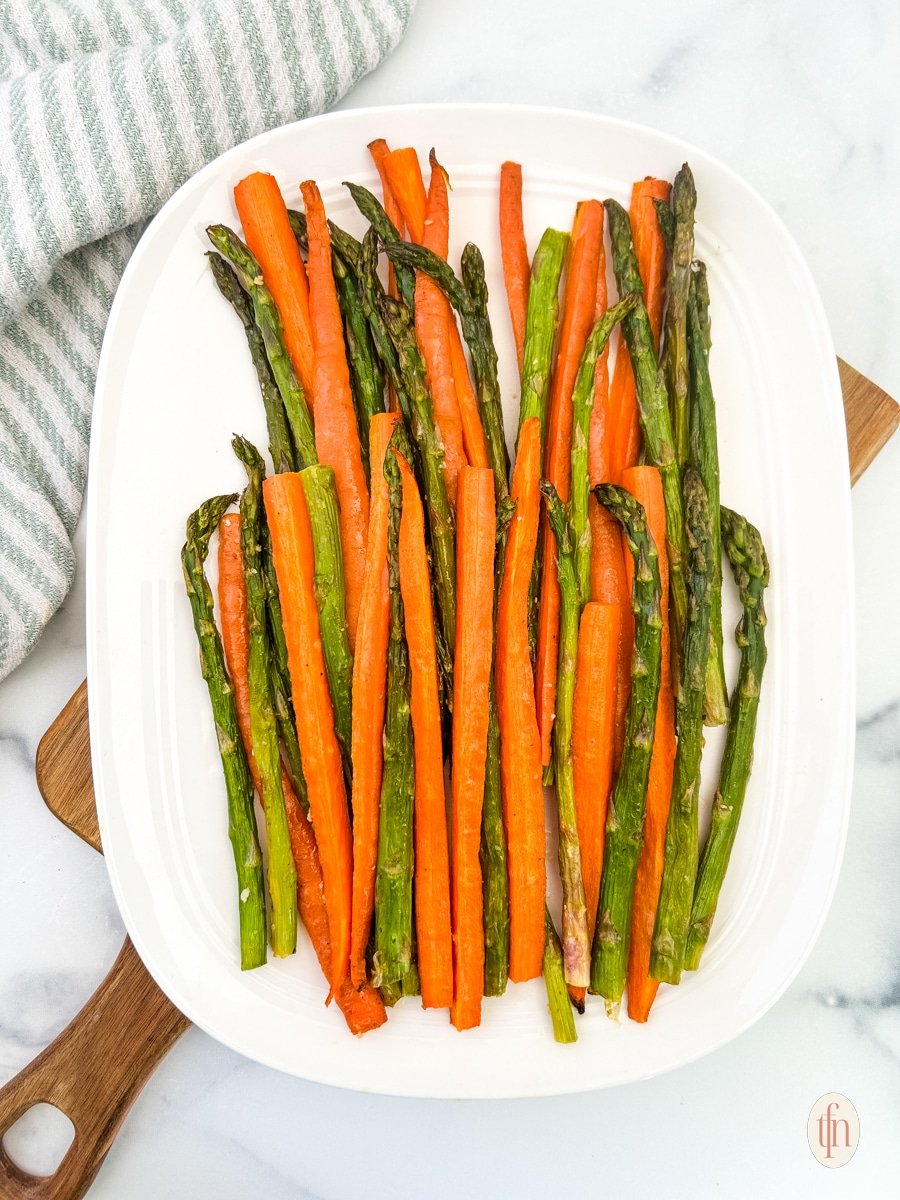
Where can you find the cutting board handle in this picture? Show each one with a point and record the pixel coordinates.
(92, 1072)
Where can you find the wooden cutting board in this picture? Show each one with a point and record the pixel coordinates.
(99, 1063)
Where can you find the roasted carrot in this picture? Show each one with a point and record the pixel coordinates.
(405, 177)
(369, 681)
(434, 317)
(379, 151)
(432, 867)
(337, 438)
(609, 583)
(437, 238)
(593, 744)
(476, 530)
(292, 554)
(579, 305)
(362, 1007)
(645, 484)
(514, 251)
(651, 254)
(520, 743)
(269, 235)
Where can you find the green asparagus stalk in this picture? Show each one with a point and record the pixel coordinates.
(371, 294)
(624, 826)
(582, 406)
(665, 218)
(280, 674)
(268, 321)
(576, 948)
(653, 407)
(704, 454)
(541, 322)
(373, 210)
(680, 865)
(398, 322)
(747, 556)
(281, 446)
(495, 879)
(366, 378)
(700, 285)
(469, 299)
(281, 874)
(684, 201)
(555, 981)
(394, 873)
(321, 501)
(480, 341)
(238, 785)
(342, 242)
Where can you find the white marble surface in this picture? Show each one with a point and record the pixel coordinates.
(794, 96)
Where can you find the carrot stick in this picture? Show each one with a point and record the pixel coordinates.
(369, 682)
(645, 484)
(379, 151)
(269, 235)
(363, 1009)
(404, 175)
(514, 251)
(292, 554)
(434, 319)
(432, 868)
(593, 733)
(579, 307)
(337, 439)
(609, 583)
(475, 535)
(651, 254)
(520, 743)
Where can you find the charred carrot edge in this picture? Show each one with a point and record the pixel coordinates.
(645, 484)
(337, 437)
(268, 232)
(593, 745)
(435, 324)
(514, 251)
(651, 254)
(476, 531)
(292, 554)
(363, 1009)
(432, 863)
(520, 743)
(579, 305)
(369, 682)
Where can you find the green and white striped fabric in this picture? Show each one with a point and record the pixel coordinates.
(106, 107)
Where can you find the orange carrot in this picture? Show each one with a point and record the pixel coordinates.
(405, 178)
(593, 731)
(651, 255)
(437, 238)
(362, 1009)
(292, 554)
(520, 743)
(514, 251)
(337, 439)
(609, 584)
(269, 235)
(475, 536)
(579, 307)
(369, 682)
(645, 484)
(433, 326)
(379, 152)
(432, 867)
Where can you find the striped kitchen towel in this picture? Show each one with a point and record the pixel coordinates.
(106, 107)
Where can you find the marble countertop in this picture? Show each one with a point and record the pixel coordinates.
(793, 97)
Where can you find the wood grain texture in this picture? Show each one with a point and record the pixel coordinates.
(99, 1063)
